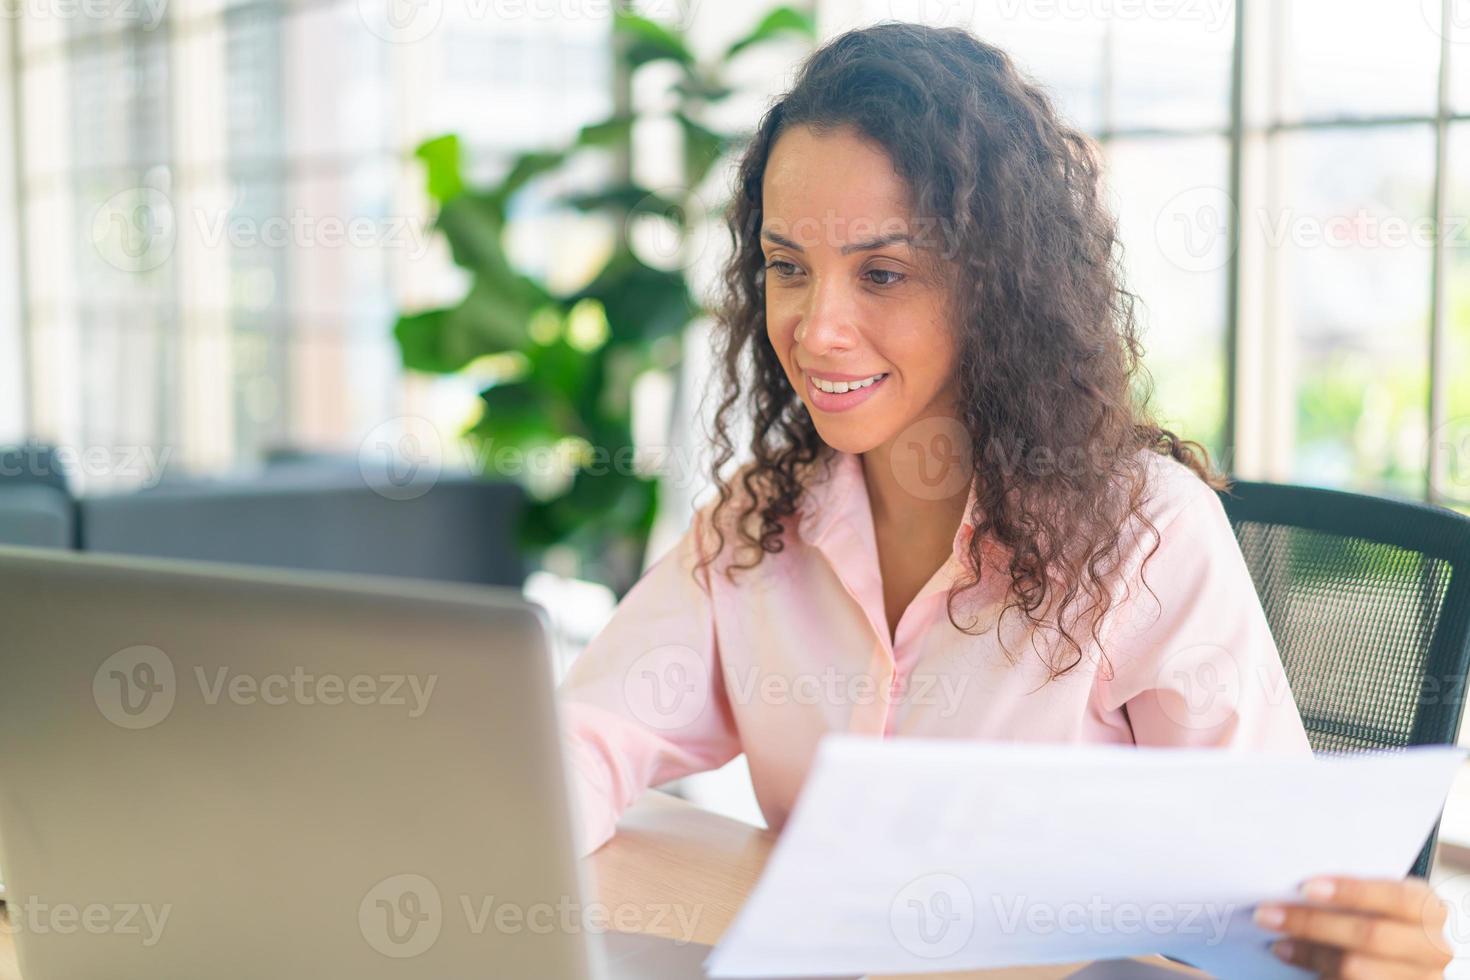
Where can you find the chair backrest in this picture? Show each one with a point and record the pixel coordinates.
(33, 464)
(37, 516)
(462, 530)
(36, 505)
(1369, 602)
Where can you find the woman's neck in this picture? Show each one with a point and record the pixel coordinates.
(900, 495)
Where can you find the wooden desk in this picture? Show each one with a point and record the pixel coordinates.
(668, 853)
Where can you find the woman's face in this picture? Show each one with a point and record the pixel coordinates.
(847, 297)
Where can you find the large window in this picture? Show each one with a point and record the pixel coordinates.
(1292, 181)
(221, 213)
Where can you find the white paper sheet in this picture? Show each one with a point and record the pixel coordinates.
(918, 855)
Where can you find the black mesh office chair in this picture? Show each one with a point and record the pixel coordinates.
(1369, 602)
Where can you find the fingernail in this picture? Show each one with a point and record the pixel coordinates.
(1283, 949)
(1319, 889)
(1270, 916)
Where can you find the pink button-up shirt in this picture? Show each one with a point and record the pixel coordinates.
(686, 676)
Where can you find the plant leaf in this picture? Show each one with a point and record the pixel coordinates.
(525, 168)
(781, 22)
(642, 303)
(702, 148)
(611, 131)
(472, 224)
(649, 41)
(444, 166)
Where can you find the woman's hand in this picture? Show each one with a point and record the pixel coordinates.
(1361, 929)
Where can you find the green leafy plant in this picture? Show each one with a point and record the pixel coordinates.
(565, 363)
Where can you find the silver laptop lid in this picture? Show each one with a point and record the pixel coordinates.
(214, 771)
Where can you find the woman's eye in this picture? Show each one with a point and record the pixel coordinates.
(885, 277)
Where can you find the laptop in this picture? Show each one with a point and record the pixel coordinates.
(216, 771)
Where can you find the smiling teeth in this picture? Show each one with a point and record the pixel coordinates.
(839, 387)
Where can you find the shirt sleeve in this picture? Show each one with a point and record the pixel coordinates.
(645, 702)
(1193, 660)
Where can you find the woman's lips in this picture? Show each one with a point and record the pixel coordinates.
(829, 402)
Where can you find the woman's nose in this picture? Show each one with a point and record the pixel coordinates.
(827, 321)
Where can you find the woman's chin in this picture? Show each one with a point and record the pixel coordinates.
(848, 438)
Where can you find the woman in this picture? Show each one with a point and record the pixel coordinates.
(955, 485)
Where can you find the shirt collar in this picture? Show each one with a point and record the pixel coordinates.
(837, 493)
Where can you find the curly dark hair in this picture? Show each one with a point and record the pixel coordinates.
(1048, 355)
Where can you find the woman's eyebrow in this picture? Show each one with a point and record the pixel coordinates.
(896, 238)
